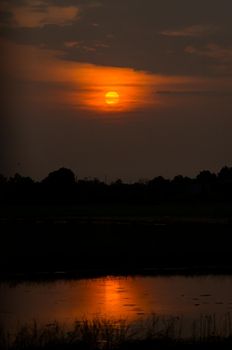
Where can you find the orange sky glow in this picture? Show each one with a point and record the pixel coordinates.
(84, 86)
(171, 74)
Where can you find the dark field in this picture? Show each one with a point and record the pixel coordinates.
(193, 238)
(160, 212)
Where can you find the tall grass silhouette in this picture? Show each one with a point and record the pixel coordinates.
(106, 334)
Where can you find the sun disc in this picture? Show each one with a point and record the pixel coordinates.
(112, 97)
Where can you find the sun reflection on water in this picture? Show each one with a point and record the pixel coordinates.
(115, 298)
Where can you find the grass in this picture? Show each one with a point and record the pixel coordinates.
(104, 334)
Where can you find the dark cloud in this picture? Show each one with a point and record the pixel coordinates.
(148, 35)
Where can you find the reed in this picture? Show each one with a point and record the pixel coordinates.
(155, 332)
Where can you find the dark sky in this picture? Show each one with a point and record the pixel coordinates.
(169, 61)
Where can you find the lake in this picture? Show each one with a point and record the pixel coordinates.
(130, 298)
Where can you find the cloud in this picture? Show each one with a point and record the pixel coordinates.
(214, 51)
(199, 93)
(192, 31)
(71, 44)
(43, 76)
(118, 33)
(38, 13)
(220, 57)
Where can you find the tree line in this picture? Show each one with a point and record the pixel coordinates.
(62, 186)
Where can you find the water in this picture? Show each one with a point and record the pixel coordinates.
(129, 298)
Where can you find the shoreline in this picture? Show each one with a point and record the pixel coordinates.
(37, 276)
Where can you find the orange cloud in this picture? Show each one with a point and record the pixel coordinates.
(37, 13)
(134, 88)
(84, 86)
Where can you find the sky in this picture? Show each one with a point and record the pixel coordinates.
(128, 89)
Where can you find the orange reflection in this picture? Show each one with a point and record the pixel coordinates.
(112, 300)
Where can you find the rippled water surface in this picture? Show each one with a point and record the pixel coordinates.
(114, 297)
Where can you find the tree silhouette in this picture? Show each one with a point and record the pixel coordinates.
(206, 177)
(3, 180)
(62, 177)
(60, 186)
(225, 175)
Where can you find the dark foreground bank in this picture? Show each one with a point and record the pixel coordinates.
(99, 334)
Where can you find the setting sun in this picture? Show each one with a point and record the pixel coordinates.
(112, 97)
